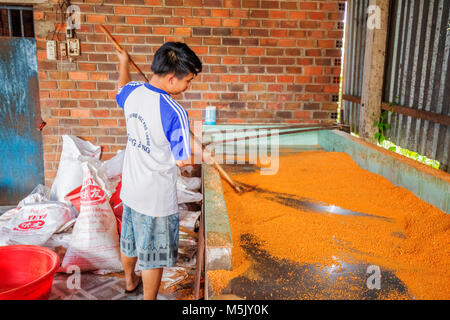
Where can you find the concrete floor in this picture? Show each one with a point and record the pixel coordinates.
(110, 287)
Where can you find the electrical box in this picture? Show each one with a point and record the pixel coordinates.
(69, 33)
(51, 50)
(62, 49)
(73, 47)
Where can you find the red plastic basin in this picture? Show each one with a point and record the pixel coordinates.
(26, 272)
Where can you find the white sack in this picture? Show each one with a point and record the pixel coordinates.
(34, 224)
(70, 175)
(39, 194)
(185, 196)
(113, 167)
(95, 242)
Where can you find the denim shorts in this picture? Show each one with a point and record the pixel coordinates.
(153, 240)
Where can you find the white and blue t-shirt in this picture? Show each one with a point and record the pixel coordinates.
(158, 134)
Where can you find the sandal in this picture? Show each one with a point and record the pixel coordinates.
(135, 288)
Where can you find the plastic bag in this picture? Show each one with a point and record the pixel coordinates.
(35, 223)
(187, 187)
(95, 241)
(185, 196)
(172, 276)
(6, 216)
(188, 218)
(40, 193)
(187, 170)
(188, 183)
(113, 167)
(70, 175)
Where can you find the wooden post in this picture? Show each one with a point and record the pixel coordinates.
(374, 61)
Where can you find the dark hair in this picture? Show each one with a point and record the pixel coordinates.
(176, 58)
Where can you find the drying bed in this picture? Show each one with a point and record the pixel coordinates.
(325, 228)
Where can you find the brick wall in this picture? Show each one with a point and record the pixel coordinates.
(264, 61)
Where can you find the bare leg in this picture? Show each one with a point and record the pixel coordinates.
(151, 279)
(131, 279)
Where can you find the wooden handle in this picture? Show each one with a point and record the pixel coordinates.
(119, 48)
(227, 177)
(219, 168)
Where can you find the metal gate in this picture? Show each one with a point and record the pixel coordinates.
(416, 90)
(21, 154)
(355, 43)
(418, 77)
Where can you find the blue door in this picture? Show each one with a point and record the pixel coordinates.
(21, 154)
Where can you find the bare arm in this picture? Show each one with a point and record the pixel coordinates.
(196, 145)
(124, 68)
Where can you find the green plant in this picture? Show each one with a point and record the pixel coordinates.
(382, 124)
(410, 154)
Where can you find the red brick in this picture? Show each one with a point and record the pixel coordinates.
(239, 13)
(99, 76)
(288, 79)
(267, 78)
(100, 113)
(182, 31)
(326, 43)
(161, 30)
(153, 2)
(331, 89)
(308, 5)
(248, 78)
(78, 94)
(135, 20)
(223, 13)
(303, 114)
(308, 24)
(123, 10)
(297, 15)
(86, 85)
(231, 22)
(316, 15)
(282, 33)
(277, 14)
(107, 122)
(229, 78)
(48, 84)
(255, 51)
(80, 113)
(88, 122)
(91, 18)
(143, 11)
(192, 21)
(58, 94)
(303, 79)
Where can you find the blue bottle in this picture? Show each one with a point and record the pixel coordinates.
(210, 116)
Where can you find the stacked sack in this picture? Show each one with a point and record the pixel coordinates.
(80, 216)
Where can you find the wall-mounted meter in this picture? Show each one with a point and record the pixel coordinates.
(51, 50)
(73, 47)
(62, 49)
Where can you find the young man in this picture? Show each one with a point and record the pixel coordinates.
(158, 140)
